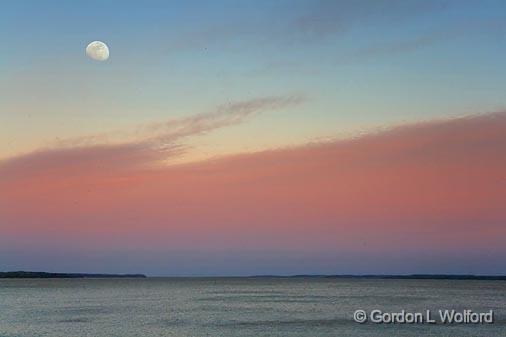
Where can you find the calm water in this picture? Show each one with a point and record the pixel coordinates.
(237, 307)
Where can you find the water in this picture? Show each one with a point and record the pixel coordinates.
(188, 307)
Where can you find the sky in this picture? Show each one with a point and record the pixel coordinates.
(253, 137)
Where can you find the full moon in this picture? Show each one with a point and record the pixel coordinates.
(98, 51)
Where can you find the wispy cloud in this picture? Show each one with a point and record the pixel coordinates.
(225, 115)
(82, 160)
(146, 146)
(436, 36)
(303, 22)
(327, 17)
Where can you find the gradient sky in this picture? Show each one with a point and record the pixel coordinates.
(253, 137)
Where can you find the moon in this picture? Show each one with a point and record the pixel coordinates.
(98, 51)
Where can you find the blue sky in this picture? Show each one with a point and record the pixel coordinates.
(360, 64)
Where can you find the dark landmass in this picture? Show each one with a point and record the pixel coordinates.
(31, 274)
(402, 277)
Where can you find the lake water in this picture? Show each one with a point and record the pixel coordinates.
(187, 307)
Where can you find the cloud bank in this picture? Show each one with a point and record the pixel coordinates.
(436, 187)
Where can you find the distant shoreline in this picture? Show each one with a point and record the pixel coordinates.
(47, 275)
(398, 277)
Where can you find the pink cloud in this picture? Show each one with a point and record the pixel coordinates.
(430, 186)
